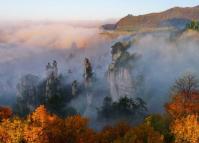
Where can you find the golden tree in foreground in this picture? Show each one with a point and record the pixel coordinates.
(43, 127)
(11, 131)
(186, 129)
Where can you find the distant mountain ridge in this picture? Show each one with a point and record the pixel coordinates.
(176, 16)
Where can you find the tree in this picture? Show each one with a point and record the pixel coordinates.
(194, 25)
(112, 133)
(4, 137)
(160, 123)
(106, 108)
(124, 109)
(143, 134)
(43, 127)
(60, 96)
(185, 97)
(186, 85)
(34, 134)
(76, 130)
(179, 107)
(5, 113)
(186, 129)
(11, 131)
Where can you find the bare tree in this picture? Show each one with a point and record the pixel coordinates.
(186, 85)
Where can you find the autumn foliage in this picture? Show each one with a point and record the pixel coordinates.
(141, 134)
(11, 131)
(111, 134)
(181, 106)
(43, 127)
(5, 113)
(179, 125)
(186, 129)
(184, 109)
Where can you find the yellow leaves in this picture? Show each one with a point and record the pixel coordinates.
(38, 128)
(35, 135)
(4, 137)
(186, 129)
(42, 127)
(13, 129)
(40, 115)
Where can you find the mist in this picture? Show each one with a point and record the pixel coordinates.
(164, 59)
(26, 48)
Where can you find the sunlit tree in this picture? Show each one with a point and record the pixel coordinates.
(186, 129)
(185, 97)
(12, 130)
(43, 127)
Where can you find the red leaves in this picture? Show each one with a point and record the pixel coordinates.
(5, 113)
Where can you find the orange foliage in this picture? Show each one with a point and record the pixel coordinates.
(182, 106)
(186, 129)
(43, 127)
(42, 117)
(143, 134)
(77, 131)
(11, 130)
(35, 135)
(110, 134)
(46, 128)
(4, 137)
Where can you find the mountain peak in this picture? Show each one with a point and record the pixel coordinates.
(131, 22)
(196, 6)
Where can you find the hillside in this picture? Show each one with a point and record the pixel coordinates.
(176, 17)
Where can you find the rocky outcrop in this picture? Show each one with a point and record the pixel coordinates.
(119, 72)
(88, 73)
(109, 26)
(52, 82)
(74, 88)
(27, 92)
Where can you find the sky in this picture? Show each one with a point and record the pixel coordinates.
(83, 9)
